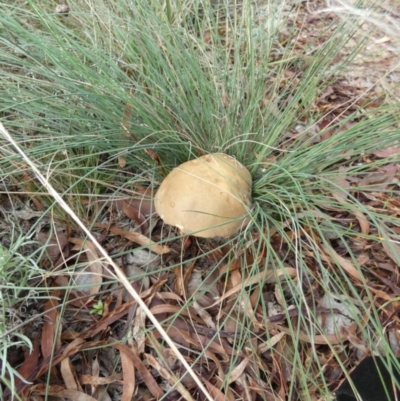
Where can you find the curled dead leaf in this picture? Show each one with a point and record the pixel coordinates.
(69, 375)
(137, 238)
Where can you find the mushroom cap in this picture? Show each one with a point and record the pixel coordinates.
(206, 197)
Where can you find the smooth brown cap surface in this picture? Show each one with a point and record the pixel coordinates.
(206, 197)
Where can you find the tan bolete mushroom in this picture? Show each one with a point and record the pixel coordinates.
(206, 197)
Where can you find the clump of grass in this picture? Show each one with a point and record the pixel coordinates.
(178, 79)
(17, 272)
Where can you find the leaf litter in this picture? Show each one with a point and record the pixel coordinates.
(205, 327)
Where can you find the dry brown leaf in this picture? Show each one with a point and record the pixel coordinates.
(331, 339)
(244, 301)
(392, 250)
(122, 159)
(182, 337)
(394, 150)
(137, 238)
(363, 258)
(238, 370)
(354, 339)
(182, 281)
(330, 255)
(138, 331)
(261, 277)
(255, 296)
(128, 370)
(128, 206)
(167, 375)
(210, 355)
(247, 392)
(267, 345)
(58, 391)
(263, 389)
(69, 376)
(164, 295)
(140, 366)
(381, 179)
(95, 370)
(102, 393)
(283, 362)
(170, 309)
(215, 393)
(287, 271)
(382, 294)
(206, 317)
(362, 220)
(390, 247)
(29, 363)
(198, 341)
(143, 199)
(279, 296)
(342, 183)
(97, 381)
(71, 349)
(49, 342)
(136, 209)
(179, 287)
(153, 155)
(89, 278)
